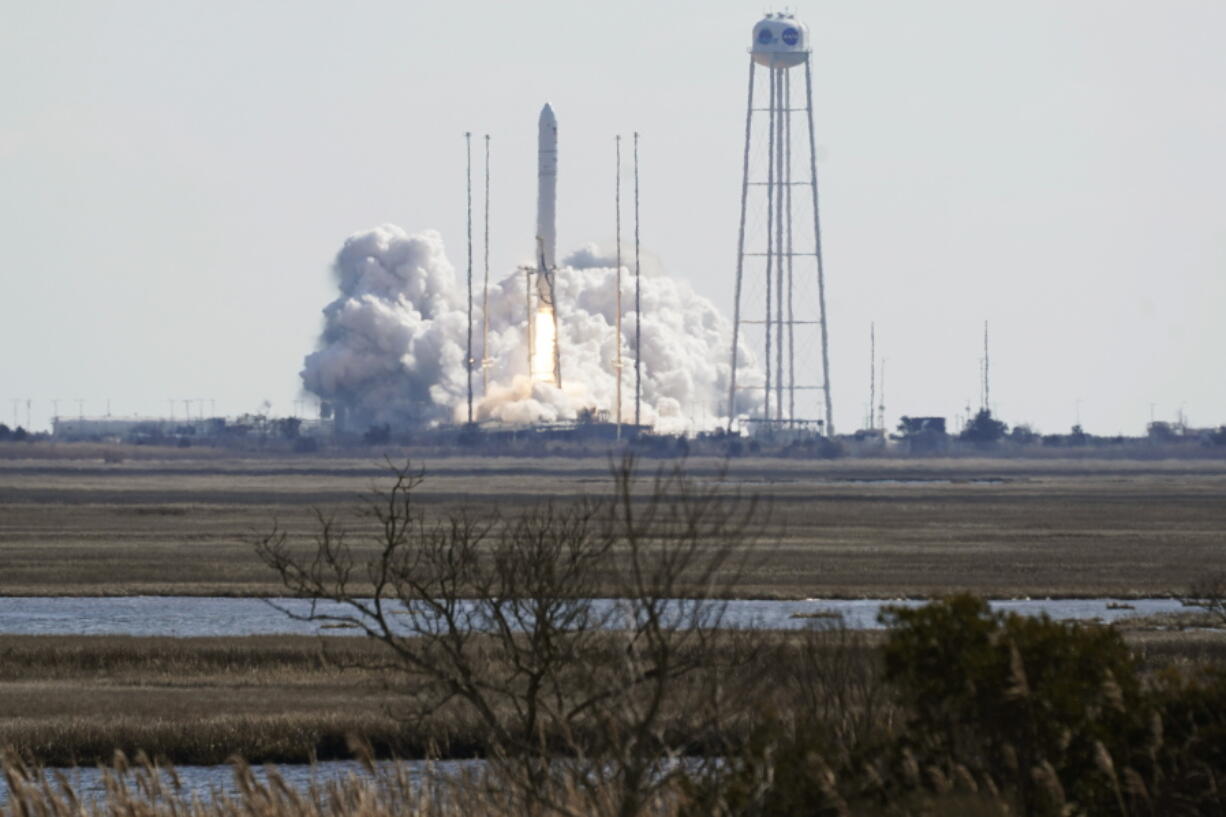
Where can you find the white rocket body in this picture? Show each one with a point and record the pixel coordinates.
(546, 202)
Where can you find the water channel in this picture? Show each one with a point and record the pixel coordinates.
(211, 782)
(181, 616)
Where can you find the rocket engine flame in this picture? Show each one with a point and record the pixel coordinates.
(543, 340)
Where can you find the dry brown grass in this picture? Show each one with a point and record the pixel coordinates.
(74, 699)
(995, 527)
(149, 790)
(144, 789)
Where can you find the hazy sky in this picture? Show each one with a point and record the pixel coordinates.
(176, 177)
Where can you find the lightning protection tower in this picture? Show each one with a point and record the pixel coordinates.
(780, 286)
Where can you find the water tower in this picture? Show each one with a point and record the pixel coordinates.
(780, 286)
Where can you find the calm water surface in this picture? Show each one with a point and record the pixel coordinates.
(186, 616)
(209, 782)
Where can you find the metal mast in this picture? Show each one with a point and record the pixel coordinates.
(485, 290)
(781, 182)
(617, 207)
(740, 252)
(792, 305)
(638, 304)
(557, 335)
(817, 243)
(881, 397)
(987, 383)
(770, 229)
(468, 148)
(788, 255)
(531, 318)
(872, 377)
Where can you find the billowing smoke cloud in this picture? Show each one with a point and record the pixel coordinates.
(393, 346)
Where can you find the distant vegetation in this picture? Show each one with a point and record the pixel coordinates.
(984, 428)
(983, 434)
(16, 435)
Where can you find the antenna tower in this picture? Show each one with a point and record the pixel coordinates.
(872, 377)
(794, 304)
(987, 372)
(486, 361)
(617, 208)
(468, 176)
(638, 303)
(881, 394)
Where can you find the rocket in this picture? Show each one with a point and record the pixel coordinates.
(546, 203)
(544, 359)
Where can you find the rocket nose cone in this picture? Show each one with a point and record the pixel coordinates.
(547, 114)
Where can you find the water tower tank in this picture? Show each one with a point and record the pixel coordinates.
(780, 41)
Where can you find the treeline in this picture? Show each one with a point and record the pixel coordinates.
(18, 434)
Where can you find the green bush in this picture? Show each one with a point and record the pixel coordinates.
(1180, 765)
(1039, 705)
(989, 714)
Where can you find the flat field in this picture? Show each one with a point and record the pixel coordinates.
(182, 525)
(68, 700)
(74, 700)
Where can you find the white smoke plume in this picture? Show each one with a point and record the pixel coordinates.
(393, 346)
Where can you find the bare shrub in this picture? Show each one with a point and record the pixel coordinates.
(834, 678)
(495, 619)
(1209, 593)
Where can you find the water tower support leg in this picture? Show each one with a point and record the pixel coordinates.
(817, 235)
(740, 253)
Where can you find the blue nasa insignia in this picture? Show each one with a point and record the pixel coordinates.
(765, 37)
(790, 36)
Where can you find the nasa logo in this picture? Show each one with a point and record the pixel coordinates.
(791, 36)
(765, 37)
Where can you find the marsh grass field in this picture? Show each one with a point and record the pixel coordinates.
(175, 524)
(73, 700)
